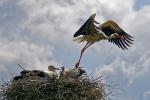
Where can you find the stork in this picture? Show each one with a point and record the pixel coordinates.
(110, 30)
(51, 72)
(72, 72)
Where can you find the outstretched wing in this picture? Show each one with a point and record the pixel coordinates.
(88, 27)
(111, 27)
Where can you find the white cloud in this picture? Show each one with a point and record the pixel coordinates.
(136, 23)
(31, 31)
(131, 71)
(29, 54)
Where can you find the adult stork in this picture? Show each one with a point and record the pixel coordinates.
(110, 30)
(51, 72)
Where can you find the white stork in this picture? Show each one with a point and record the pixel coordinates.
(72, 72)
(107, 31)
(51, 72)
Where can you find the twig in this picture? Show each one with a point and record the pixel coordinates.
(21, 66)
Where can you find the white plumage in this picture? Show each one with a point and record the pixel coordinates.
(52, 71)
(72, 72)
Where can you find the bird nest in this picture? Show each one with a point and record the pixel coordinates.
(52, 88)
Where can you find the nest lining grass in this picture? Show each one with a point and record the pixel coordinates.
(36, 88)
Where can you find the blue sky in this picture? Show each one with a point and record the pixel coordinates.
(140, 3)
(36, 33)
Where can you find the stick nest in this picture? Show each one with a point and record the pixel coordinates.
(52, 88)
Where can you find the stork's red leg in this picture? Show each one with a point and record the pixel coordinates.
(84, 48)
(89, 45)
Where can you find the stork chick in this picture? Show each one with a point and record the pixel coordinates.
(72, 72)
(52, 71)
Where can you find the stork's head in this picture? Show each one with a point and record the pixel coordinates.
(52, 68)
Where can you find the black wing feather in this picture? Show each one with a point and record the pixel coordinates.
(111, 27)
(88, 27)
(122, 43)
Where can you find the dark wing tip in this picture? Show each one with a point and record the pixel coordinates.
(75, 35)
(127, 41)
(85, 28)
(93, 16)
(124, 43)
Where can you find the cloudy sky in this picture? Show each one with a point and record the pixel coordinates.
(37, 33)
